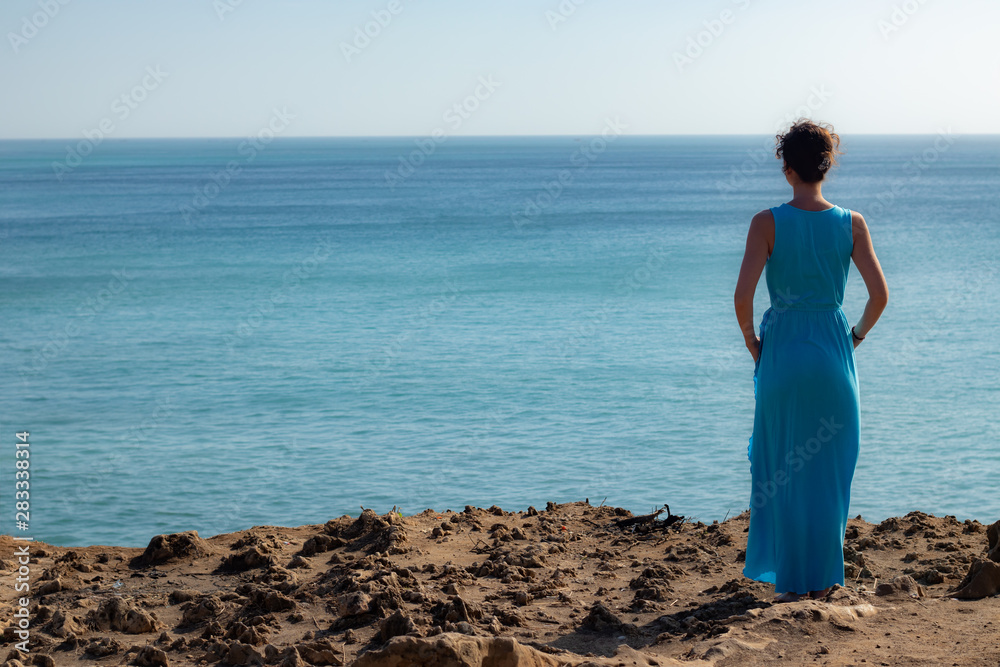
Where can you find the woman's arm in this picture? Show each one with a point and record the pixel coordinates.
(760, 242)
(871, 272)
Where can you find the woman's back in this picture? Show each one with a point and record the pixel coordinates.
(806, 434)
(808, 267)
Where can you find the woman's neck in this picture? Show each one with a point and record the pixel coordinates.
(809, 196)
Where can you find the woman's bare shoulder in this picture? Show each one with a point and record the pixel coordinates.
(858, 224)
(762, 228)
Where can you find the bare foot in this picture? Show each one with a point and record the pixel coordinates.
(817, 595)
(787, 597)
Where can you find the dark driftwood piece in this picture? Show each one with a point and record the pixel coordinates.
(650, 519)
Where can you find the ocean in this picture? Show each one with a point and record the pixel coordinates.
(216, 334)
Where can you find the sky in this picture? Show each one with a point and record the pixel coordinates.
(228, 68)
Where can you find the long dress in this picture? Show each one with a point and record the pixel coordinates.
(806, 430)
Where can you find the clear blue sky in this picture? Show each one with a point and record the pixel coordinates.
(879, 66)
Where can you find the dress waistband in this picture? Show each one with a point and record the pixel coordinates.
(808, 308)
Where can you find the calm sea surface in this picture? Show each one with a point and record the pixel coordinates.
(209, 334)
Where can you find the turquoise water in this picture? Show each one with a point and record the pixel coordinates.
(301, 336)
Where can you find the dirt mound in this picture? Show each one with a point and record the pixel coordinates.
(203, 609)
(993, 536)
(901, 585)
(176, 546)
(457, 650)
(63, 625)
(248, 559)
(982, 580)
(370, 532)
(117, 614)
(602, 620)
(150, 656)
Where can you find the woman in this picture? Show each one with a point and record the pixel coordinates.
(806, 430)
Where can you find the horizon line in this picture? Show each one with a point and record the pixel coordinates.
(482, 136)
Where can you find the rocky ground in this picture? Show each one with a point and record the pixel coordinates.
(570, 584)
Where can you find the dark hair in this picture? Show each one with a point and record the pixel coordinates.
(809, 148)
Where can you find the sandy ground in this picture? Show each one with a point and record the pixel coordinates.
(563, 585)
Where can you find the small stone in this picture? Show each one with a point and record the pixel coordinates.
(150, 656)
(395, 625)
(298, 562)
(49, 587)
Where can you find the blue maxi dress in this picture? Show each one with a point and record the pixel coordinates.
(806, 430)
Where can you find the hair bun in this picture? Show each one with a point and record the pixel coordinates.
(810, 149)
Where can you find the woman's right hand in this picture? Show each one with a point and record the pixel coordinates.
(753, 344)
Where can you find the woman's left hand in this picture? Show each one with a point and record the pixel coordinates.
(753, 344)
